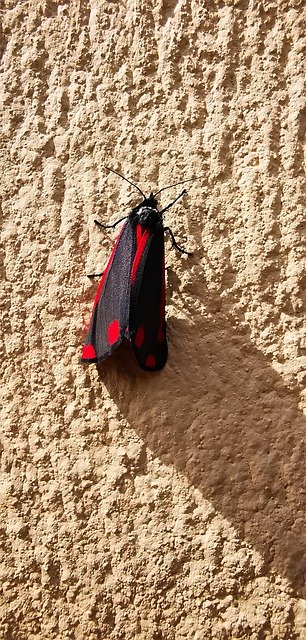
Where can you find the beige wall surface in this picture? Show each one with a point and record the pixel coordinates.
(138, 506)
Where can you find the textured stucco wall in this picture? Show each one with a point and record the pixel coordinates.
(133, 505)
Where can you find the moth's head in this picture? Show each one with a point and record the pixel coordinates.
(150, 201)
(148, 212)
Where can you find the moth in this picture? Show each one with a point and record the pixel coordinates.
(131, 296)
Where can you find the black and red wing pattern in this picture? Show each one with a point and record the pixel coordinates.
(147, 326)
(110, 316)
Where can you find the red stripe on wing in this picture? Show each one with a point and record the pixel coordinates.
(139, 232)
(107, 268)
(140, 249)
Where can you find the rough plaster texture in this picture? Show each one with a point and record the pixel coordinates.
(133, 505)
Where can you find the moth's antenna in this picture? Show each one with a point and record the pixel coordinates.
(126, 179)
(174, 185)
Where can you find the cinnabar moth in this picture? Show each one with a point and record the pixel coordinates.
(130, 300)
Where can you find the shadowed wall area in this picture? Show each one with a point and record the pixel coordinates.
(165, 506)
(225, 419)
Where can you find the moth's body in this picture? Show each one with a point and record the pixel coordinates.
(130, 301)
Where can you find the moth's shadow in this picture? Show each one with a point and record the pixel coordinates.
(220, 413)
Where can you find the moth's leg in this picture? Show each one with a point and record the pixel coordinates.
(104, 226)
(174, 243)
(109, 226)
(95, 275)
(174, 201)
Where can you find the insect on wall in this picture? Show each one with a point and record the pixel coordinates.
(130, 300)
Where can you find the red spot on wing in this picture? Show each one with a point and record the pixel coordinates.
(138, 255)
(150, 361)
(113, 332)
(139, 337)
(88, 352)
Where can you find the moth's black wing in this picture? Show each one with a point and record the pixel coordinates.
(110, 316)
(147, 311)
